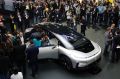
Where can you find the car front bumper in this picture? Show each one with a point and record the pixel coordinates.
(84, 66)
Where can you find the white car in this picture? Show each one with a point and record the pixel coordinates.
(71, 48)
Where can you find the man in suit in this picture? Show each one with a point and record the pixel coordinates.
(52, 15)
(2, 33)
(57, 15)
(108, 41)
(56, 5)
(26, 20)
(19, 19)
(4, 64)
(19, 57)
(32, 53)
(83, 25)
(12, 22)
(115, 50)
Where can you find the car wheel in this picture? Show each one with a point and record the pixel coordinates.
(65, 61)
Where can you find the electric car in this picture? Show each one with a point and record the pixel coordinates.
(71, 48)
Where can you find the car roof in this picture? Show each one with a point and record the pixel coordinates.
(58, 30)
(54, 27)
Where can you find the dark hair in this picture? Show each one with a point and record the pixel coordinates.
(2, 53)
(15, 70)
(118, 31)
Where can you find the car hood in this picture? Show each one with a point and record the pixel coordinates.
(80, 54)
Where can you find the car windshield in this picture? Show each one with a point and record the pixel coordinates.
(69, 34)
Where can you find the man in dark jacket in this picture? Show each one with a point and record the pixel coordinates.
(2, 33)
(26, 20)
(4, 64)
(83, 25)
(19, 57)
(19, 20)
(57, 16)
(52, 15)
(12, 23)
(32, 53)
(115, 49)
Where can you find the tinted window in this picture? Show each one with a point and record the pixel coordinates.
(78, 41)
(72, 36)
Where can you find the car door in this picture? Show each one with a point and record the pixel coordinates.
(50, 51)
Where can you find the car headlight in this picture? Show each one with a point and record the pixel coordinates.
(82, 64)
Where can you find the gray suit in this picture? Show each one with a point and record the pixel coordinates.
(108, 41)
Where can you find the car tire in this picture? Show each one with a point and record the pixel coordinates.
(65, 61)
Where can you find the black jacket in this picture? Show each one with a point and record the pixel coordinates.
(116, 41)
(19, 56)
(32, 54)
(84, 24)
(4, 62)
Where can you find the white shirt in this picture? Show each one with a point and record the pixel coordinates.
(17, 76)
(27, 7)
(67, 8)
(22, 40)
(78, 10)
(19, 18)
(68, 14)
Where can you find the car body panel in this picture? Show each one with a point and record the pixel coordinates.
(48, 52)
(79, 57)
(54, 50)
(64, 41)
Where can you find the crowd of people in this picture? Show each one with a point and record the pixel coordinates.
(72, 12)
(112, 43)
(14, 53)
